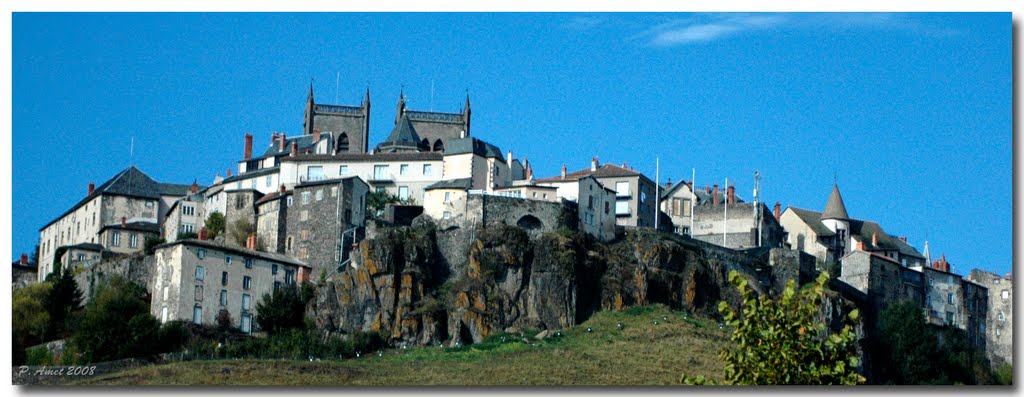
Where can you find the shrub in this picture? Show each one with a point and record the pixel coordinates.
(39, 355)
(780, 342)
(281, 310)
(63, 299)
(29, 319)
(117, 324)
(215, 225)
(152, 242)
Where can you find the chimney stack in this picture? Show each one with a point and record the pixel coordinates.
(273, 138)
(874, 239)
(248, 146)
(316, 135)
(203, 233)
(295, 149)
(904, 238)
(707, 189)
(668, 185)
(593, 164)
(860, 246)
(778, 211)
(563, 171)
(732, 194)
(529, 172)
(195, 187)
(624, 165)
(280, 142)
(250, 241)
(282, 189)
(92, 188)
(124, 221)
(509, 158)
(714, 198)
(24, 259)
(229, 172)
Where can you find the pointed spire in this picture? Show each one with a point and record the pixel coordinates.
(835, 209)
(401, 105)
(927, 253)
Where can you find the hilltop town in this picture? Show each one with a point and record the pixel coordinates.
(309, 207)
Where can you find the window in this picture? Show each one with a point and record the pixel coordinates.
(246, 282)
(319, 194)
(227, 259)
(133, 240)
(997, 332)
(273, 269)
(1002, 317)
(343, 170)
(246, 325)
(289, 277)
(238, 185)
(188, 210)
(224, 278)
(248, 263)
(607, 208)
(334, 191)
(201, 253)
(949, 297)
(252, 184)
(270, 180)
(621, 208)
(197, 314)
(403, 193)
(277, 285)
(288, 243)
(590, 202)
(949, 317)
(380, 172)
(447, 197)
(622, 188)
(149, 204)
(305, 198)
(246, 301)
(380, 189)
(403, 169)
(163, 314)
(115, 238)
(223, 297)
(1005, 294)
(447, 215)
(289, 201)
(199, 293)
(995, 281)
(428, 169)
(200, 273)
(314, 173)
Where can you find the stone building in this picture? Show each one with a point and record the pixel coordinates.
(729, 222)
(435, 129)
(272, 220)
(348, 126)
(634, 192)
(677, 202)
(129, 197)
(831, 234)
(81, 255)
(321, 219)
(999, 319)
(883, 280)
(23, 273)
(403, 174)
(127, 237)
(186, 216)
(196, 280)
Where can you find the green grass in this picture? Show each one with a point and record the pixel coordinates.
(641, 353)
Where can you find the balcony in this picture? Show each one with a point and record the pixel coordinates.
(382, 177)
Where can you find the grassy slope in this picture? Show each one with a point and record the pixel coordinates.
(640, 353)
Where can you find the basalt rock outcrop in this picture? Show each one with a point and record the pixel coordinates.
(412, 289)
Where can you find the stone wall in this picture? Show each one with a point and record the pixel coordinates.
(532, 215)
(999, 316)
(138, 268)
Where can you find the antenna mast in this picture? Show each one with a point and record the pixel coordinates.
(757, 205)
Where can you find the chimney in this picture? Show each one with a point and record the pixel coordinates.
(714, 198)
(509, 158)
(732, 194)
(707, 189)
(229, 173)
(195, 187)
(92, 188)
(668, 185)
(316, 135)
(529, 172)
(24, 259)
(280, 142)
(203, 234)
(624, 165)
(273, 138)
(250, 241)
(248, 146)
(295, 149)
(778, 211)
(563, 171)
(904, 238)
(860, 246)
(282, 189)
(874, 239)
(593, 164)
(124, 221)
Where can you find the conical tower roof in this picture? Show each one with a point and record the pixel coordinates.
(835, 209)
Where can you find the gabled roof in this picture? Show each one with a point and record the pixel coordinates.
(835, 209)
(813, 220)
(270, 256)
(140, 226)
(604, 171)
(331, 181)
(475, 146)
(87, 247)
(272, 196)
(402, 135)
(252, 174)
(304, 142)
(130, 182)
(463, 184)
(668, 191)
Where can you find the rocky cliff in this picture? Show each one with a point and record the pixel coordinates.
(420, 285)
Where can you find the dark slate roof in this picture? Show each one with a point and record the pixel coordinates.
(368, 158)
(328, 181)
(813, 220)
(304, 141)
(463, 183)
(907, 249)
(148, 227)
(402, 135)
(172, 189)
(129, 182)
(604, 171)
(835, 209)
(270, 256)
(669, 191)
(87, 247)
(253, 174)
(197, 197)
(475, 146)
(272, 196)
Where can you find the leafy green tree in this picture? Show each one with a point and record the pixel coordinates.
(117, 324)
(377, 200)
(152, 242)
(283, 309)
(781, 342)
(215, 225)
(905, 350)
(29, 319)
(240, 230)
(63, 299)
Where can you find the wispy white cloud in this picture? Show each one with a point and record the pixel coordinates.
(716, 26)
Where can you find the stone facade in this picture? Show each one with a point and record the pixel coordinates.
(596, 209)
(740, 228)
(195, 280)
(676, 202)
(635, 200)
(999, 319)
(241, 207)
(436, 128)
(320, 213)
(272, 221)
(350, 125)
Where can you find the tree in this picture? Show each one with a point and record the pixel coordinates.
(283, 309)
(29, 319)
(151, 243)
(215, 225)
(117, 324)
(240, 230)
(63, 299)
(377, 200)
(781, 342)
(905, 350)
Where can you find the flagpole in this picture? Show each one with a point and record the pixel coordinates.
(725, 220)
(693, 197)
(657, 191)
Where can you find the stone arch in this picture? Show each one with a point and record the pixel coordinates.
(425, 144)
(530, 222)
(438, 146)
(343, 142)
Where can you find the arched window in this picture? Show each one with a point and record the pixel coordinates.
(343, 142)
(425, 144)
(439, 146)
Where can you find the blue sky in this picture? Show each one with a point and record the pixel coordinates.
(911, 112)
